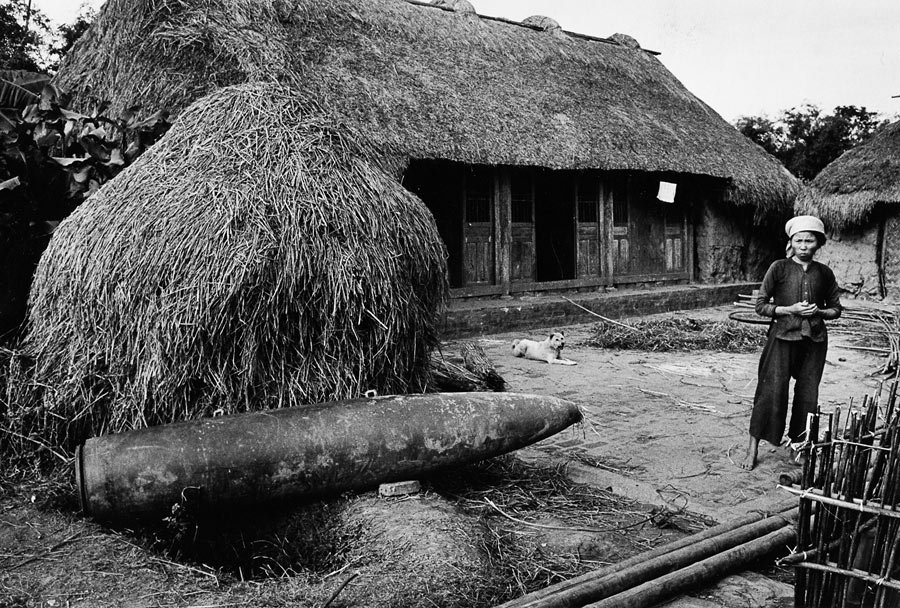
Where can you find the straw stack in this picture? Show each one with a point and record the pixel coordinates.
(256, 257)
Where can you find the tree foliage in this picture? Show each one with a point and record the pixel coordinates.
(24, 30)
(51, 160)
(805, 139)
(27, 40)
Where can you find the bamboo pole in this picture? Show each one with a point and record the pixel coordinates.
(711, 568)
(856, 505)
(593, 586)
(803, 524)
(852, 538)
(806, 556)
(860, 574)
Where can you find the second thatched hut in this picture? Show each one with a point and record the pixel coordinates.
(858, 197)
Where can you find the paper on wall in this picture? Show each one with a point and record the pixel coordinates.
(666, 192)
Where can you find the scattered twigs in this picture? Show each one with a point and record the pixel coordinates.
(869, 349)
(491, 504)
(47, 552)
(166, 562)
(339, 589)
(681, 402)
(172, 564)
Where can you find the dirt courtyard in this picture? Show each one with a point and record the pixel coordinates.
(671, 427)
(663, 429)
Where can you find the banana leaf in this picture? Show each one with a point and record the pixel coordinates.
(18, 88)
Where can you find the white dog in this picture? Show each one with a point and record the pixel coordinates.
(547, 350)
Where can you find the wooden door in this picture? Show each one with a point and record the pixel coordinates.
(522, 229)
(674, 253)
(621, 247)
(588, 227)
(646, 228)
(676, 228)
(478, 229)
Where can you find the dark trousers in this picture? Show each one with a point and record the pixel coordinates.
(782, 360)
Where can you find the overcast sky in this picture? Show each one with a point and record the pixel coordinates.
(746, 57)
(742, 57)
(63, 11)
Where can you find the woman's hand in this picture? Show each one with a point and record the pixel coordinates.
(802, 309)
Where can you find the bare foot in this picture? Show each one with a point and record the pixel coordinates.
(749, 462)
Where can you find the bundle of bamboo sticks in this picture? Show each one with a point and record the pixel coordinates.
(848, 531)
(867, 319)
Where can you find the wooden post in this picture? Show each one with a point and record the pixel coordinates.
(461, 225)
(689, 239)
(881, 254)
(606, 213)
(502, 227)
(601, 227)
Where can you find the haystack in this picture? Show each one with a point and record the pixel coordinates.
(256, 257)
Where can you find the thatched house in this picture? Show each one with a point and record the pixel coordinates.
(542, 154)
(858, 198)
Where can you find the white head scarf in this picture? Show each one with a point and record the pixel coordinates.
(803, 223)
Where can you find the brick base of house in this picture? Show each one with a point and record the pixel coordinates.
(481, 316)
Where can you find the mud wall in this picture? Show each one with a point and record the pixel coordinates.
(729, 247)
(891, 257)
(853, 256)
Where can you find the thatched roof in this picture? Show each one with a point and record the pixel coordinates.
(845, 192)
(429, 81)
(249, 260)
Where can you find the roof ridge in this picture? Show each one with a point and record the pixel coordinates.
(428, 4)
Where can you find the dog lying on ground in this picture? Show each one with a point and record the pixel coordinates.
(546, 350)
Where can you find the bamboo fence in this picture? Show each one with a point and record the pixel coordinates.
(848, 531)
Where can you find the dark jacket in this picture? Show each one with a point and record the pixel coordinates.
(787, 283)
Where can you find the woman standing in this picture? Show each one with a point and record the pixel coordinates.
(804, 294)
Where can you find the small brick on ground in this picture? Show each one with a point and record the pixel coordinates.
(399, 488)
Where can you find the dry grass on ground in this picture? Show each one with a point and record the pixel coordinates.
(679, 334)
(527, 525)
